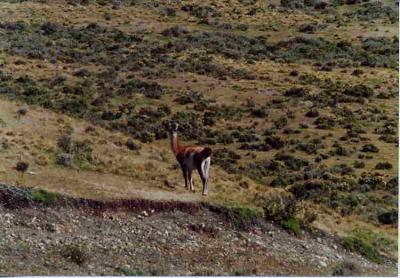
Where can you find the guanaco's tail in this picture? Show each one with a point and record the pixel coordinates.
(206, 152)
(205, 165)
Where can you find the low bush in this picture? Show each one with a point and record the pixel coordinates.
(200, 11)
(360, 246)
(130, 272)
(244, 217)
(388, 217)
(311, 189)
(175, 31)
(281, 122)
(325, 122)
(359, 164)
(75, 252)
(347, 268)
(225, 158)
(360, 90)
(292, 4)
(148, 89)
(43, 196)
(130, 144)
(275, 142)
(370, 148)
(368, 182)
(383, 166)
(292, 225)
(291, 162)
(313, 113)
(311, 147)
(296, 92)
(278, 205)
(393, 185)
(64, 159)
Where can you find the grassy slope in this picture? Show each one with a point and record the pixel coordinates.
(124, 173)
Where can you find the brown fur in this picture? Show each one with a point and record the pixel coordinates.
(189, 158)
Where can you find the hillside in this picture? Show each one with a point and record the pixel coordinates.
(297, 99)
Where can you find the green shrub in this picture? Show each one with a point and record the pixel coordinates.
(296, 92)
(388, 217)
(347, 268)
(360, 90)
(259, 113)
(130, 272)
(201, 11)
(393, 185)
(282, 180)
(357, 245)
(275, 142)
(281, 122)
(358, 164)
(383, 166)
(311, 189)
(369, 244)
(148, 89)
(371, 148)
(291, 162)
(325, 122)
(313, 113)
(368, 182)
(65, 143)
(132, 145)
(244, 217)
(43, 196)
(292, 225)
(83, 152)
(75, 252)
(292, 4)
(278, 205)
(311, 147)
(373, 10)
(227, 159)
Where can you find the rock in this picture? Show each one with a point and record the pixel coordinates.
(305, 246)
(169, 184)
(322, 263)
(64, 159)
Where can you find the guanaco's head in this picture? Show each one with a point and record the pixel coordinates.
(173, 127)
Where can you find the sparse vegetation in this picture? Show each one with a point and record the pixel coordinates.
(295, 98)
(75, 252)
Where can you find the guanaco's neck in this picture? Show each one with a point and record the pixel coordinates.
(175, 143)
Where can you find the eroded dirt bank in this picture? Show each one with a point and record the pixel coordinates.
(91, 238)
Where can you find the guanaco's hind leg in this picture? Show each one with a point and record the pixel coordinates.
(191, 180)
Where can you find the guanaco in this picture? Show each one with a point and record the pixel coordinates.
(190, 158)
